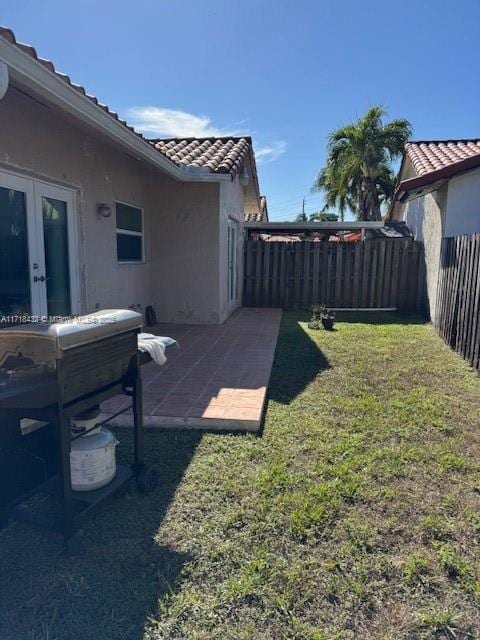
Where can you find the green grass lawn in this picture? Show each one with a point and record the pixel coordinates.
(356, 515)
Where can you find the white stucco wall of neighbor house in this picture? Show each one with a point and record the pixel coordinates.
(450, 211)
(180, 273)
(231, 212)
(425, 218)
(463, 204)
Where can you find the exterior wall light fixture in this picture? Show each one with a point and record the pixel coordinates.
(104, 210)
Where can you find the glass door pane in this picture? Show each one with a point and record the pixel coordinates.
(57, 270)
(14, 260)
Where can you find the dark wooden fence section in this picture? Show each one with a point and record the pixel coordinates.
(369, 274)
(457, 310)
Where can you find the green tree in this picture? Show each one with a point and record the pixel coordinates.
(323, 216)
(358, 174)
(301, 217)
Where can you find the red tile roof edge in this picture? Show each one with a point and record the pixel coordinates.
(202, 138)
(442, 141)
(437, 175)
(215, 158)
(444, 173)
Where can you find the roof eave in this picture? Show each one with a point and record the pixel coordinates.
(30, 73)
(434, 179)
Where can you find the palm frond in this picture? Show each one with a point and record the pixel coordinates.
(358, 160)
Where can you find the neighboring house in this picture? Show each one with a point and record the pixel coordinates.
(324, 231)
(93, 215)
(438, 196)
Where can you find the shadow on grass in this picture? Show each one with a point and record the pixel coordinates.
(110, 591)
(298, 360)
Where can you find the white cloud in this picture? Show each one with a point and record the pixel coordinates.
(270, 152)
(157, 121)
(173, 123)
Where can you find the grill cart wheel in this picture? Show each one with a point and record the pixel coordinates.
(147, 480)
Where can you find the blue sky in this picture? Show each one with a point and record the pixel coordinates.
(286, 72)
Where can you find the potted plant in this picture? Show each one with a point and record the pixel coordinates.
(328, 318)
(321, 315)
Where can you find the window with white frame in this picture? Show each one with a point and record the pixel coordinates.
(130, 244)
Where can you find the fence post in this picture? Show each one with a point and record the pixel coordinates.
(316, 272)
(306, 274)
(266, 275)
(258, 272)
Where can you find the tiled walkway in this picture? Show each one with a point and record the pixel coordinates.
(216, 379)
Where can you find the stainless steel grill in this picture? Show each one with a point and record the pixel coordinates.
(90, 351)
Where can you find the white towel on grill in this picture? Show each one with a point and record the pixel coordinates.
(155, 346)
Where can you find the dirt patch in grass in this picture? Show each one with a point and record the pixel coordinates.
(355, 515)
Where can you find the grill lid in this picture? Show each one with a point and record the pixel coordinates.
(61, 336)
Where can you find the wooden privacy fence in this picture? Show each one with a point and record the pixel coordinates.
(369, 274)
(457, 308)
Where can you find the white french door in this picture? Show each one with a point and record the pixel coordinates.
(38, 274)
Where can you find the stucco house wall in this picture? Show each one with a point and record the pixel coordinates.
(37, 141)
(180, 274)
(452, 210)
(425, 218)
(184, 245)
(463, 204)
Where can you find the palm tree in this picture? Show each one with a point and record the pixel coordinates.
(323, 216)
(358, 174)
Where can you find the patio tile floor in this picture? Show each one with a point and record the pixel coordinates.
(216, 379)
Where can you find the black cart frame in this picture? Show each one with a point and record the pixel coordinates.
(35, 402)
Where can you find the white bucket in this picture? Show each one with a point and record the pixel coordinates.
(92, 461)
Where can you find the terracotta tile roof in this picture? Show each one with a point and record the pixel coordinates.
(437, 154)
(217, 155)
(269, 237)
(258, 216)
(29, 50)
(435, 161)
